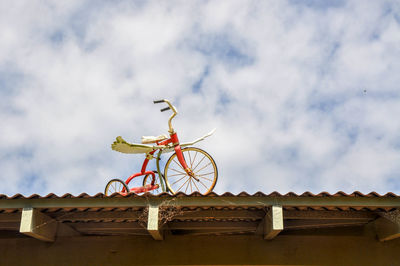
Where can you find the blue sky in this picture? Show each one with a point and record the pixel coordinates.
(304, 94)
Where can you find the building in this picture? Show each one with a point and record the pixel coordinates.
(227, 229)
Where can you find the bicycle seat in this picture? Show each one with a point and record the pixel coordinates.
(152, 139)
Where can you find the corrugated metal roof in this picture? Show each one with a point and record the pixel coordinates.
(212, 194)
(305, 201)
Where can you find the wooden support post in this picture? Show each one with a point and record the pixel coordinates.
(273, 222)
(387, 227)
(38, 225)
(153, 223)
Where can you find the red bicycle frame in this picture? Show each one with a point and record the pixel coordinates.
(172, 140)
(143, 172)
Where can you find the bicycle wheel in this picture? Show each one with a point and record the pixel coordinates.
(202, 165)
(116, 186)
(147, 180)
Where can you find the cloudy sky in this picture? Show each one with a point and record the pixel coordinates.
(305, 95)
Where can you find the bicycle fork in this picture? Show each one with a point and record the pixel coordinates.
(182, 161)
(178, 151)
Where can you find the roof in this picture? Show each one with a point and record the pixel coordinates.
(196, 214)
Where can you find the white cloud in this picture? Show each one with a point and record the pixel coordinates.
(303, 97)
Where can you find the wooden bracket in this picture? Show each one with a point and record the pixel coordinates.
(387, 227)
(38, 225)
(273, 222)
(153, 223)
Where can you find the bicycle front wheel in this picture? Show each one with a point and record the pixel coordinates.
(203, 167)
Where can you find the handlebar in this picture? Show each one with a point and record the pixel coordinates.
(173, 108)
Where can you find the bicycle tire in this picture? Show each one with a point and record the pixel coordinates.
(116, 186)
(147, 180)
(198, 161)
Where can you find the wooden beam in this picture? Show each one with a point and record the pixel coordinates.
(136, 215)
(10, 217)
(215, 232)
(38, 225)
(201, 214)
(14, 226)
(204, 225)
(153, 224)
(273, 222)
(221, 214)
(209, 201)
(387, 227)
(99, 226)
(102, 215)
(213, 225)
(305, 224)
(322, 215)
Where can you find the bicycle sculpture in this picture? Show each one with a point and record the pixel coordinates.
(188, 169)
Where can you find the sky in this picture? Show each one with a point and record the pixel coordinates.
(305, 95)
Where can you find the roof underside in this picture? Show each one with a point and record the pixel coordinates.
(196, 214)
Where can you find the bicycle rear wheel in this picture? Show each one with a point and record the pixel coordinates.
(147, 180)
(116, 186)
(203, 167)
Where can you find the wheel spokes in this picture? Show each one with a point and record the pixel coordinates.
(178, 180)
(176, 175)
(115, 186)
(177, 171)
(190, 160)
(196, 186)
(203, 184)
(183, 184)
(203, 167)
(205, 178)
(178, 164)
(191, 188)
(198, 163)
